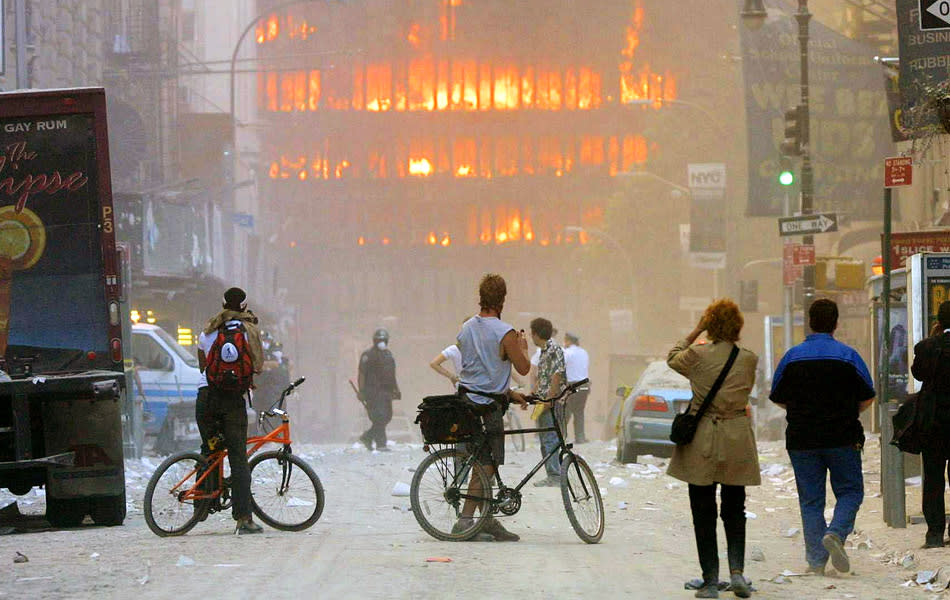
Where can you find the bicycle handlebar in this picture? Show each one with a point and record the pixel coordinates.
(279, 404)
(567, 391)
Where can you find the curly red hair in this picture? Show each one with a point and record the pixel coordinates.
(723, 321)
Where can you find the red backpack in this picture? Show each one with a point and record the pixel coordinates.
(229, 365)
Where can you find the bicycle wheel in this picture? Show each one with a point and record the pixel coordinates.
(437, 495)
(582, 501)
(167, 513)
(285, 492)
(517, 439)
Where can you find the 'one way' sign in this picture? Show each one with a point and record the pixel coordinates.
(808, 224)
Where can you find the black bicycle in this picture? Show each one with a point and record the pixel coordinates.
(450, 479)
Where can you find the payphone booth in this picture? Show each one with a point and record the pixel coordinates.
(928, 285)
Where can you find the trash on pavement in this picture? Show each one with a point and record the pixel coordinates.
(790, 532)
(908, 561)
(913, 481)
(439, 559)
(94, 555)
(756, 554)
(185, 561)
(773, 470)
(618, 482)
(622, 505)
(401, 489)
(19, 557)
(751, 515)
(924, 577)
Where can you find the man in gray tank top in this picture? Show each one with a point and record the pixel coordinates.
(490, 347)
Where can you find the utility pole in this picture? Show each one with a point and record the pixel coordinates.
(808, 179)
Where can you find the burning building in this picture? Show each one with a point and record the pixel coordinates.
(412, 145)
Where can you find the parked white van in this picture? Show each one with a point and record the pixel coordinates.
(168, 374)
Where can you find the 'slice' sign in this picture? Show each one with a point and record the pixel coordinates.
(898, 171)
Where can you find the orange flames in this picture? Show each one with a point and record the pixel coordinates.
(641, 83)
(462, 157)
(426, 84)
(481, 225)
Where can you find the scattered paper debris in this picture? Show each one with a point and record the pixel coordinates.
(618, 482)
(751, 515)
(913, 481)
(790, 532)
(19, 558)
(94, 555)
(401, 489)
(185, 561)
(622, 505)
(756, 554)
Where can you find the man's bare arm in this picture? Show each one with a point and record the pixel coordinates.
(514, 347)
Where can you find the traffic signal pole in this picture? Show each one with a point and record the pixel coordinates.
(807, 175)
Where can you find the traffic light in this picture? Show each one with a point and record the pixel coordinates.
(792, 144)
(785, 174)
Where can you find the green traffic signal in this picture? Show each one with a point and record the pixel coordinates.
(786, 177)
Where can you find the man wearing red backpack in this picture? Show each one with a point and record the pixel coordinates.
(229, 354)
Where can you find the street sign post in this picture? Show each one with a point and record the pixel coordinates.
(808, 224)
(898, 170)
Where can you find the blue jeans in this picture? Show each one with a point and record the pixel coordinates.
(549, 442)
(847, 483)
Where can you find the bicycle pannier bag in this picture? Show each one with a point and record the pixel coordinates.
(229, 366)
(446, 420)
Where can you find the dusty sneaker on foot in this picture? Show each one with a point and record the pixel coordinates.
(247, 525)
(495, 529)
(835, 548)
(739, 586)
(466, 523)
(367, 442)
(816, 569)
(710, 590)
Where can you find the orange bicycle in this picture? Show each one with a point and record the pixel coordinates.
(285, 491)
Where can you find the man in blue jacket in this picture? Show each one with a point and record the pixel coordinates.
(824, 385)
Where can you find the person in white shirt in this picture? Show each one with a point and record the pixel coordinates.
(454, 356)
(577, 362)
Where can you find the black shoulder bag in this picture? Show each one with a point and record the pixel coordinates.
(914, 418)
(685, 424)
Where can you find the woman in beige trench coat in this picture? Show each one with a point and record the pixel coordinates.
(723, 451)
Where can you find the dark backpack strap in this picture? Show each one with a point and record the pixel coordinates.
(718, 384)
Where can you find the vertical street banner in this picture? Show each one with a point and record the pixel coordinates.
(707, 215)
(924, 53)
(849, 131)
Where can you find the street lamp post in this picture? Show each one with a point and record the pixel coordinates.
(754, 14)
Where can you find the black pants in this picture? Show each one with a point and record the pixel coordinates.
(702, 502)
(223, 412)
(380, 414)
(935, 463)
(575, 410)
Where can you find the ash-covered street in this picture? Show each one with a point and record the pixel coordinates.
(368, 545)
